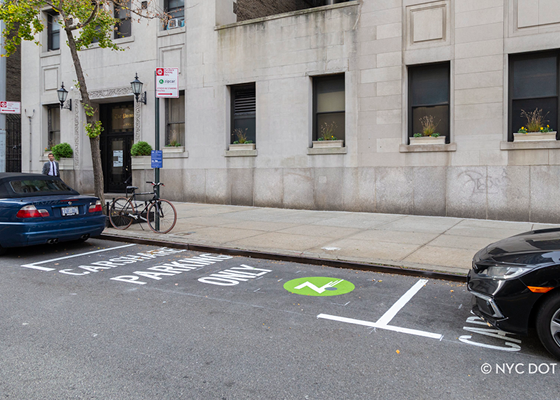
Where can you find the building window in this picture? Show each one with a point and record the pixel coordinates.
(176, 11)
(533, 84)
(244, 112)
(175, 121)
(123, 28)
(53, 31)
(329, 115)
(53, 125)
(428, 98)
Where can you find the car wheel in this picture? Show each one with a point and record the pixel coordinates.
(548, 325)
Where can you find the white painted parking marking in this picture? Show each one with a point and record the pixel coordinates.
(381, 326)
(390, 314)
(35, 264)
(383, 322)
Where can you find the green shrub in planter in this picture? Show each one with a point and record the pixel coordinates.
(62, 150)
(141, 149)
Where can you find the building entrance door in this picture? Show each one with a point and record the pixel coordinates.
(116, 141)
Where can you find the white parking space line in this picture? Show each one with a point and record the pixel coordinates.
(383, 322)
(390, 314)
(381, 326)
(35, 264)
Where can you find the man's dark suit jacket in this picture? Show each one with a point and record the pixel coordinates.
(47, 168)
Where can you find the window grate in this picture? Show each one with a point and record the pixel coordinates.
(245, 102)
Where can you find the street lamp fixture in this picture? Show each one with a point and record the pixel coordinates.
(62, 95)
(137, 90)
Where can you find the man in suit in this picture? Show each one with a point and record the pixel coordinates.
(51, 167)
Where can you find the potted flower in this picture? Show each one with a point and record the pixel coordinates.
(242, 143)
(327, 138)
(535, 129)
(63, 154)
(173, 147)
(141, 153)
(429, 134)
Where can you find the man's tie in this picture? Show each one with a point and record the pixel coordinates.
(53, 168)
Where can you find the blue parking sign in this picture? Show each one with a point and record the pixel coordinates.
(157, 159)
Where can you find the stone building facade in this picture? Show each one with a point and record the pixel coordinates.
(470, 64)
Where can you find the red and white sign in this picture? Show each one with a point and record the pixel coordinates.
(10, 107)
(167, 82)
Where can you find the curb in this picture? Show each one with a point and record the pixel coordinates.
(299, 259)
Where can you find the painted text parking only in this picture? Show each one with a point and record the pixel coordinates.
(171, 268)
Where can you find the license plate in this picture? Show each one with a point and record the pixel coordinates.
(67, 211)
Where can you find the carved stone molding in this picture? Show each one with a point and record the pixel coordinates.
(76, 106)
(114, 92)
(137, 120)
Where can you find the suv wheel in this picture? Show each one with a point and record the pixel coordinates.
(548, 325)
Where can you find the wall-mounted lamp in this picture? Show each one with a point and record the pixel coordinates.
(62, 95)
(137, 90)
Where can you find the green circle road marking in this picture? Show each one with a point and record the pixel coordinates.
(319, 286)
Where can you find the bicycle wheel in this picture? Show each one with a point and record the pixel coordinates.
(120, 213)
(167, 216)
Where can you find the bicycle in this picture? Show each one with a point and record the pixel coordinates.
(160, 214)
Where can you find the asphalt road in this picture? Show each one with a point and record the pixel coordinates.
(107, 320)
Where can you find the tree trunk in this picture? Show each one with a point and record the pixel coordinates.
(94, 142)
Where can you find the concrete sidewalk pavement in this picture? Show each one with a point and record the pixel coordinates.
(439, 244)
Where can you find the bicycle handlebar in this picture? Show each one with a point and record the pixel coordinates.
(155, 184)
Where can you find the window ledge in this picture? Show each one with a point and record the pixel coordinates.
(175, 152)
(326, 151)
(116, 41)
(124, 40)
(427, 148)
(170, 32)
(527, 145)
(50, 53)
(173, 149)
(240, 153)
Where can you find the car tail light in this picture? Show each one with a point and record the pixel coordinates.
(29, 211)
(96, 207)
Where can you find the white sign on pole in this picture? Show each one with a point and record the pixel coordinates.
(10, 107)
(167, 82)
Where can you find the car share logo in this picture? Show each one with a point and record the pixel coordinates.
(160, 71)
(319, 286)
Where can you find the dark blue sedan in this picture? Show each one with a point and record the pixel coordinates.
(38, 209)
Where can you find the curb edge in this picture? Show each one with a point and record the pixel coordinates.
(291, 258)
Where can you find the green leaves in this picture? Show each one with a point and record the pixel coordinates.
(25, 20)
(94, 130)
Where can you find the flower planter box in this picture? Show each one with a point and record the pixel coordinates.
(534, 136)
(142, 162)
(66, 164)
(242, 146)
(328, 144)
(427, 140)
(174, 149)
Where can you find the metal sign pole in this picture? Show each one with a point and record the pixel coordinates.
(157, 148)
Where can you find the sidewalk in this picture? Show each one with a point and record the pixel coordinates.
(441, 244)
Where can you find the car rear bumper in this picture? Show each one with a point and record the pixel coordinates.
(18, 234)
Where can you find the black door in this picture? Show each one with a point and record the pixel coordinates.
(116, 141)
(13, 143)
